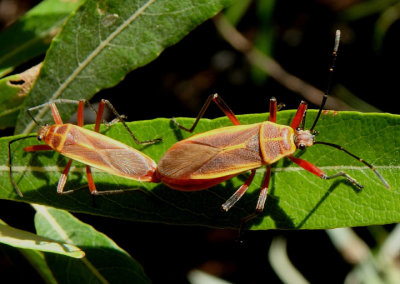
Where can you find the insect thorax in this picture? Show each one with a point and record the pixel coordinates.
(276, 141)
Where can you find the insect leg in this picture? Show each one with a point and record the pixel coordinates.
(272, 109)
(298, 118)
(220, 103)
(120, 118)
(357, 158)
(34, 148)
(264, 191)
(79, 119)
(63, 178)
(53, 107)
(316, 171)
(55, 114)
(92, 186)
(239, 193)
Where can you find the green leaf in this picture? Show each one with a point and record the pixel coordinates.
(105, 262)
(104, 40)
(13, 91)
(297, 198)
(31, 35)
(26, 240)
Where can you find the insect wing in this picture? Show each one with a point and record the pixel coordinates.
(216, 153)
(109, 155)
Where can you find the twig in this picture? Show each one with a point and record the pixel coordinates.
(273, 68)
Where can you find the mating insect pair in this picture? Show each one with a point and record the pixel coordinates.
(196, 163)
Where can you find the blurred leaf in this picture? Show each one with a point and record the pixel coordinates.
(104, 40)
(385, 21)
(367, 8)
(264, 40)
(31, 35)
(297, 198)
(236, 11)
(26, 240)
(104, 262)
(13, 91)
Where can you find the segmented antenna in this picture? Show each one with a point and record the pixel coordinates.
(330, 77)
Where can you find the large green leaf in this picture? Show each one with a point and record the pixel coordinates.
(104, 262)
(31, 35)
(104, 40)
(297, 198)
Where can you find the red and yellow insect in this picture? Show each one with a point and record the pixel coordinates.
(210, 158)
(91, 148)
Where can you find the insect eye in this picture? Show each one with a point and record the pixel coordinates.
(302, 146)
(40, 138)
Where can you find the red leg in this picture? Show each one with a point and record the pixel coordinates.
(99, 116)
(299, 115)
(316, 171)
(81, 106)
(220, 103)
(272, 110)
(92, 186)
(264, 191)
(63, 178)
(225, 108)
(56, 114)
(239, 193)
(34, 148)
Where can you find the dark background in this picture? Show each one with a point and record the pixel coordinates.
(300, 37)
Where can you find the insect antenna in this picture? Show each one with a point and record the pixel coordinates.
(10, 162)
(357, 158)
(28, 111)
(331, 70)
